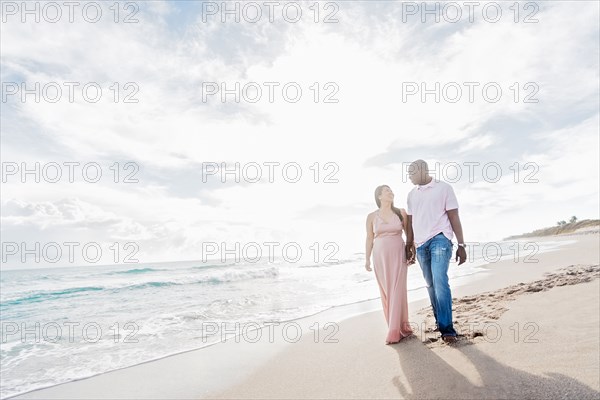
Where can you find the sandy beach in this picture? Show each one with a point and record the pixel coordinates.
(539, 342)
(221, 199)
(528, 330)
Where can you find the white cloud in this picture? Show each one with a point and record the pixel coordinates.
(368, 55)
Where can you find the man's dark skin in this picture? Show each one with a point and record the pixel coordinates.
(419, 175)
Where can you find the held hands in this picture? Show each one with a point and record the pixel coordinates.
(410, 253)
(410, 256)
(461, 255)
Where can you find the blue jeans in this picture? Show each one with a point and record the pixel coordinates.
(434, 258)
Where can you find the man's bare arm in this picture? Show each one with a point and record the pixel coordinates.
(410, 250)
(461, 252)
(456, 225)
(409, 230)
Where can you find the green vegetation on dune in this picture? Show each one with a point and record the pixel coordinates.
(561, 227)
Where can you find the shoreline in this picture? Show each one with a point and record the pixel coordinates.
(255, 355)
(334, 314)
(535, 353)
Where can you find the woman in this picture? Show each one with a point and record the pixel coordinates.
(384, 240)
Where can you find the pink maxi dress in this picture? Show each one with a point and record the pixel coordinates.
(389, 261)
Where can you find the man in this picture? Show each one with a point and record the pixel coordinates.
(432, 211)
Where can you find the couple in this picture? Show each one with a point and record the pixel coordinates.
(432, 218)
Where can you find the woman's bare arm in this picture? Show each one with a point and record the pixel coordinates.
(369, 241)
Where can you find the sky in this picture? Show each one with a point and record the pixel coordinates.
(342, 93)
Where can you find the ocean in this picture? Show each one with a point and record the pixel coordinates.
(63, 324)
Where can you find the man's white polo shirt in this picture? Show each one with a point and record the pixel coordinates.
(428, 205)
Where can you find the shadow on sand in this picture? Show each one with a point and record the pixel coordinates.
(431, 377)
